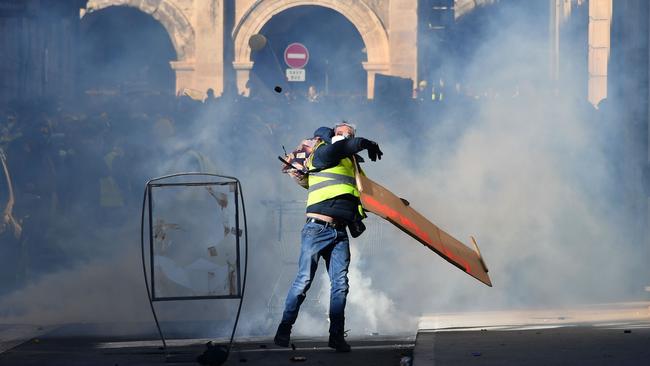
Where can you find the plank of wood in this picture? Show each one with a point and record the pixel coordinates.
(387, 205)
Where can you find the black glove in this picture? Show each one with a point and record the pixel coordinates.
(373, 149)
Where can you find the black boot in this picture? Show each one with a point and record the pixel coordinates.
(337, 341)
(283, 335)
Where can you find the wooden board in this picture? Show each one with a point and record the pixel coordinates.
(384, 203)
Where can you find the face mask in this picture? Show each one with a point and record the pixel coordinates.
(338, 138)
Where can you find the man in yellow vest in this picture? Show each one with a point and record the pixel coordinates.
(332, 205)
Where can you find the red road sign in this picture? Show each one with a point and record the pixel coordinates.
(296, 56)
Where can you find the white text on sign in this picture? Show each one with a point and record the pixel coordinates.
(295, 74)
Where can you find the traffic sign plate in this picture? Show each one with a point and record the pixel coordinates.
(295, 74)
(296, 56)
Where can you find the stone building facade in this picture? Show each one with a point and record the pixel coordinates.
(210, 39)
(197, 29)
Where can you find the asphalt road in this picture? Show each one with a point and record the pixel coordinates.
(565, 345)
(71, 351)
(612, 334)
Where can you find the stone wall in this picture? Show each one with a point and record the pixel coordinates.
(388, 29)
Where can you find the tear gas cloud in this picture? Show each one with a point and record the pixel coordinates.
(532, 177)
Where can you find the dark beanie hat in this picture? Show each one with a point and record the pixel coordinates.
(325, 133)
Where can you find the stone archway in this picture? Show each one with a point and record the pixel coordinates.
(463, 7)
(178, 27)
(370, 27)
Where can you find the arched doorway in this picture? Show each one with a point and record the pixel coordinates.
(171, 17)
(124, 49)
(335, 58)
(364, 19)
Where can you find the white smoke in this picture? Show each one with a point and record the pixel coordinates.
(529, 176)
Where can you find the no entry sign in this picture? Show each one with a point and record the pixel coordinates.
(296, 56)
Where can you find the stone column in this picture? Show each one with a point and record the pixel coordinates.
(209, 26)
(372, 70)
(554, 38)
(403, 37)
(184, 77)
(600, 20)
(243, 71)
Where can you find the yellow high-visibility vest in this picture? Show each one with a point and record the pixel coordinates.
(331, 182)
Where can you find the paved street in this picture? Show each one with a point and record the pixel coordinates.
(604, 334)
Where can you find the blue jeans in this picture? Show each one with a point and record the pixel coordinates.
(333, 245)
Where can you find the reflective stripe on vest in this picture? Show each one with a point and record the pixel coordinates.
(334, 179)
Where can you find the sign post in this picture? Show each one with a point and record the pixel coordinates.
(296, 57)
